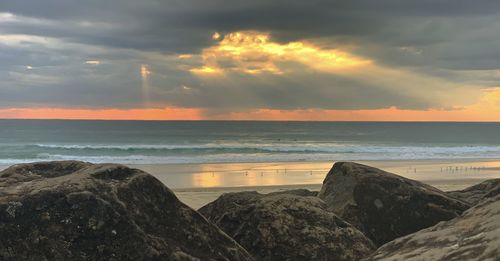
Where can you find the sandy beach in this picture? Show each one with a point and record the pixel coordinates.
(199, 184)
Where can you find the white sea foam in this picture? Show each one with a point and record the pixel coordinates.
(207, 142)
(275, 154)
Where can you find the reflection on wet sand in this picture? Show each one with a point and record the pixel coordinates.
(294, 173)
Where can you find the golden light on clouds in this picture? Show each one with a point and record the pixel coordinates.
(145, 72)
(216, 36)
(184, 56)
(206, 70)
(93, 62)
(255, 53)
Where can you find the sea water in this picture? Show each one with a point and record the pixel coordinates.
(160, 142)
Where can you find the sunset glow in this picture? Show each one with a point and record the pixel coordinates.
(485, 110)
(343, 66)
(169, 113)
(142, 117)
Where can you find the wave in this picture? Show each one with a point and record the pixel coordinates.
(288, 148)
(142, 159)
(235, 152)
(200, 147)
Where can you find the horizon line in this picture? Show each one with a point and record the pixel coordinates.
(252, 120)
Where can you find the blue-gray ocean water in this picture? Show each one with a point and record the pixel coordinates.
(157, 142)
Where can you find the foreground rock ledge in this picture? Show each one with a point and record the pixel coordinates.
(473, 236)
(291, 225)
(385, 206)
(79, 211)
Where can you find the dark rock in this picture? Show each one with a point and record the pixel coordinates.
(473, 236)
(286, 226)
(298, 192)
(382, 205)
(79, 211)
(486, 189)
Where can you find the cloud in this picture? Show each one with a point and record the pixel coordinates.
(254, 53)
(301, 75)
(93, 62)
(288, 54)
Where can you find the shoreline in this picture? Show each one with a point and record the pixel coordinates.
(227, 175)
(199, 184)
(206, 182)
(183, 176)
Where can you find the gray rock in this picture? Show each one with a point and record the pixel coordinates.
(473, 236)
(79, 211)
(286, 226)
(298, 192)
(382, 205)
(486, 189)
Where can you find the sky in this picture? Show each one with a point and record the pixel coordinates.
(387, 60)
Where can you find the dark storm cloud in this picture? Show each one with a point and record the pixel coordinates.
(433, 38)
(182, 26)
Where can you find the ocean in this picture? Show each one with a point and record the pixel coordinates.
(160, 142)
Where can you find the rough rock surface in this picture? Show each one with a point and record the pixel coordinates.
(287, 226)
(79, 211)
(298, 192)
(382, 205)
(473, 236)
(486, 189)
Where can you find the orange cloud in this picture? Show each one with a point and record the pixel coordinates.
(487, 109)
(169, 113)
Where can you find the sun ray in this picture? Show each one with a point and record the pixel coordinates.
(255, 53)
(145, 73)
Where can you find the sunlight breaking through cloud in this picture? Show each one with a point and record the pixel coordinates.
(93, 62)
(253, 52)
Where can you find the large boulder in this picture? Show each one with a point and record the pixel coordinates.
(382, 205)
(473, 236)
(79, 211)
(287, 226)
(486, 189)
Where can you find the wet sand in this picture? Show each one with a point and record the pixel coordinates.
(199, 184)
(181, 176)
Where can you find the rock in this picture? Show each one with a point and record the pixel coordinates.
(486, 189)
(298, 192)
(382, 205)
(286, 226)
(473, 236)
(79, 211)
